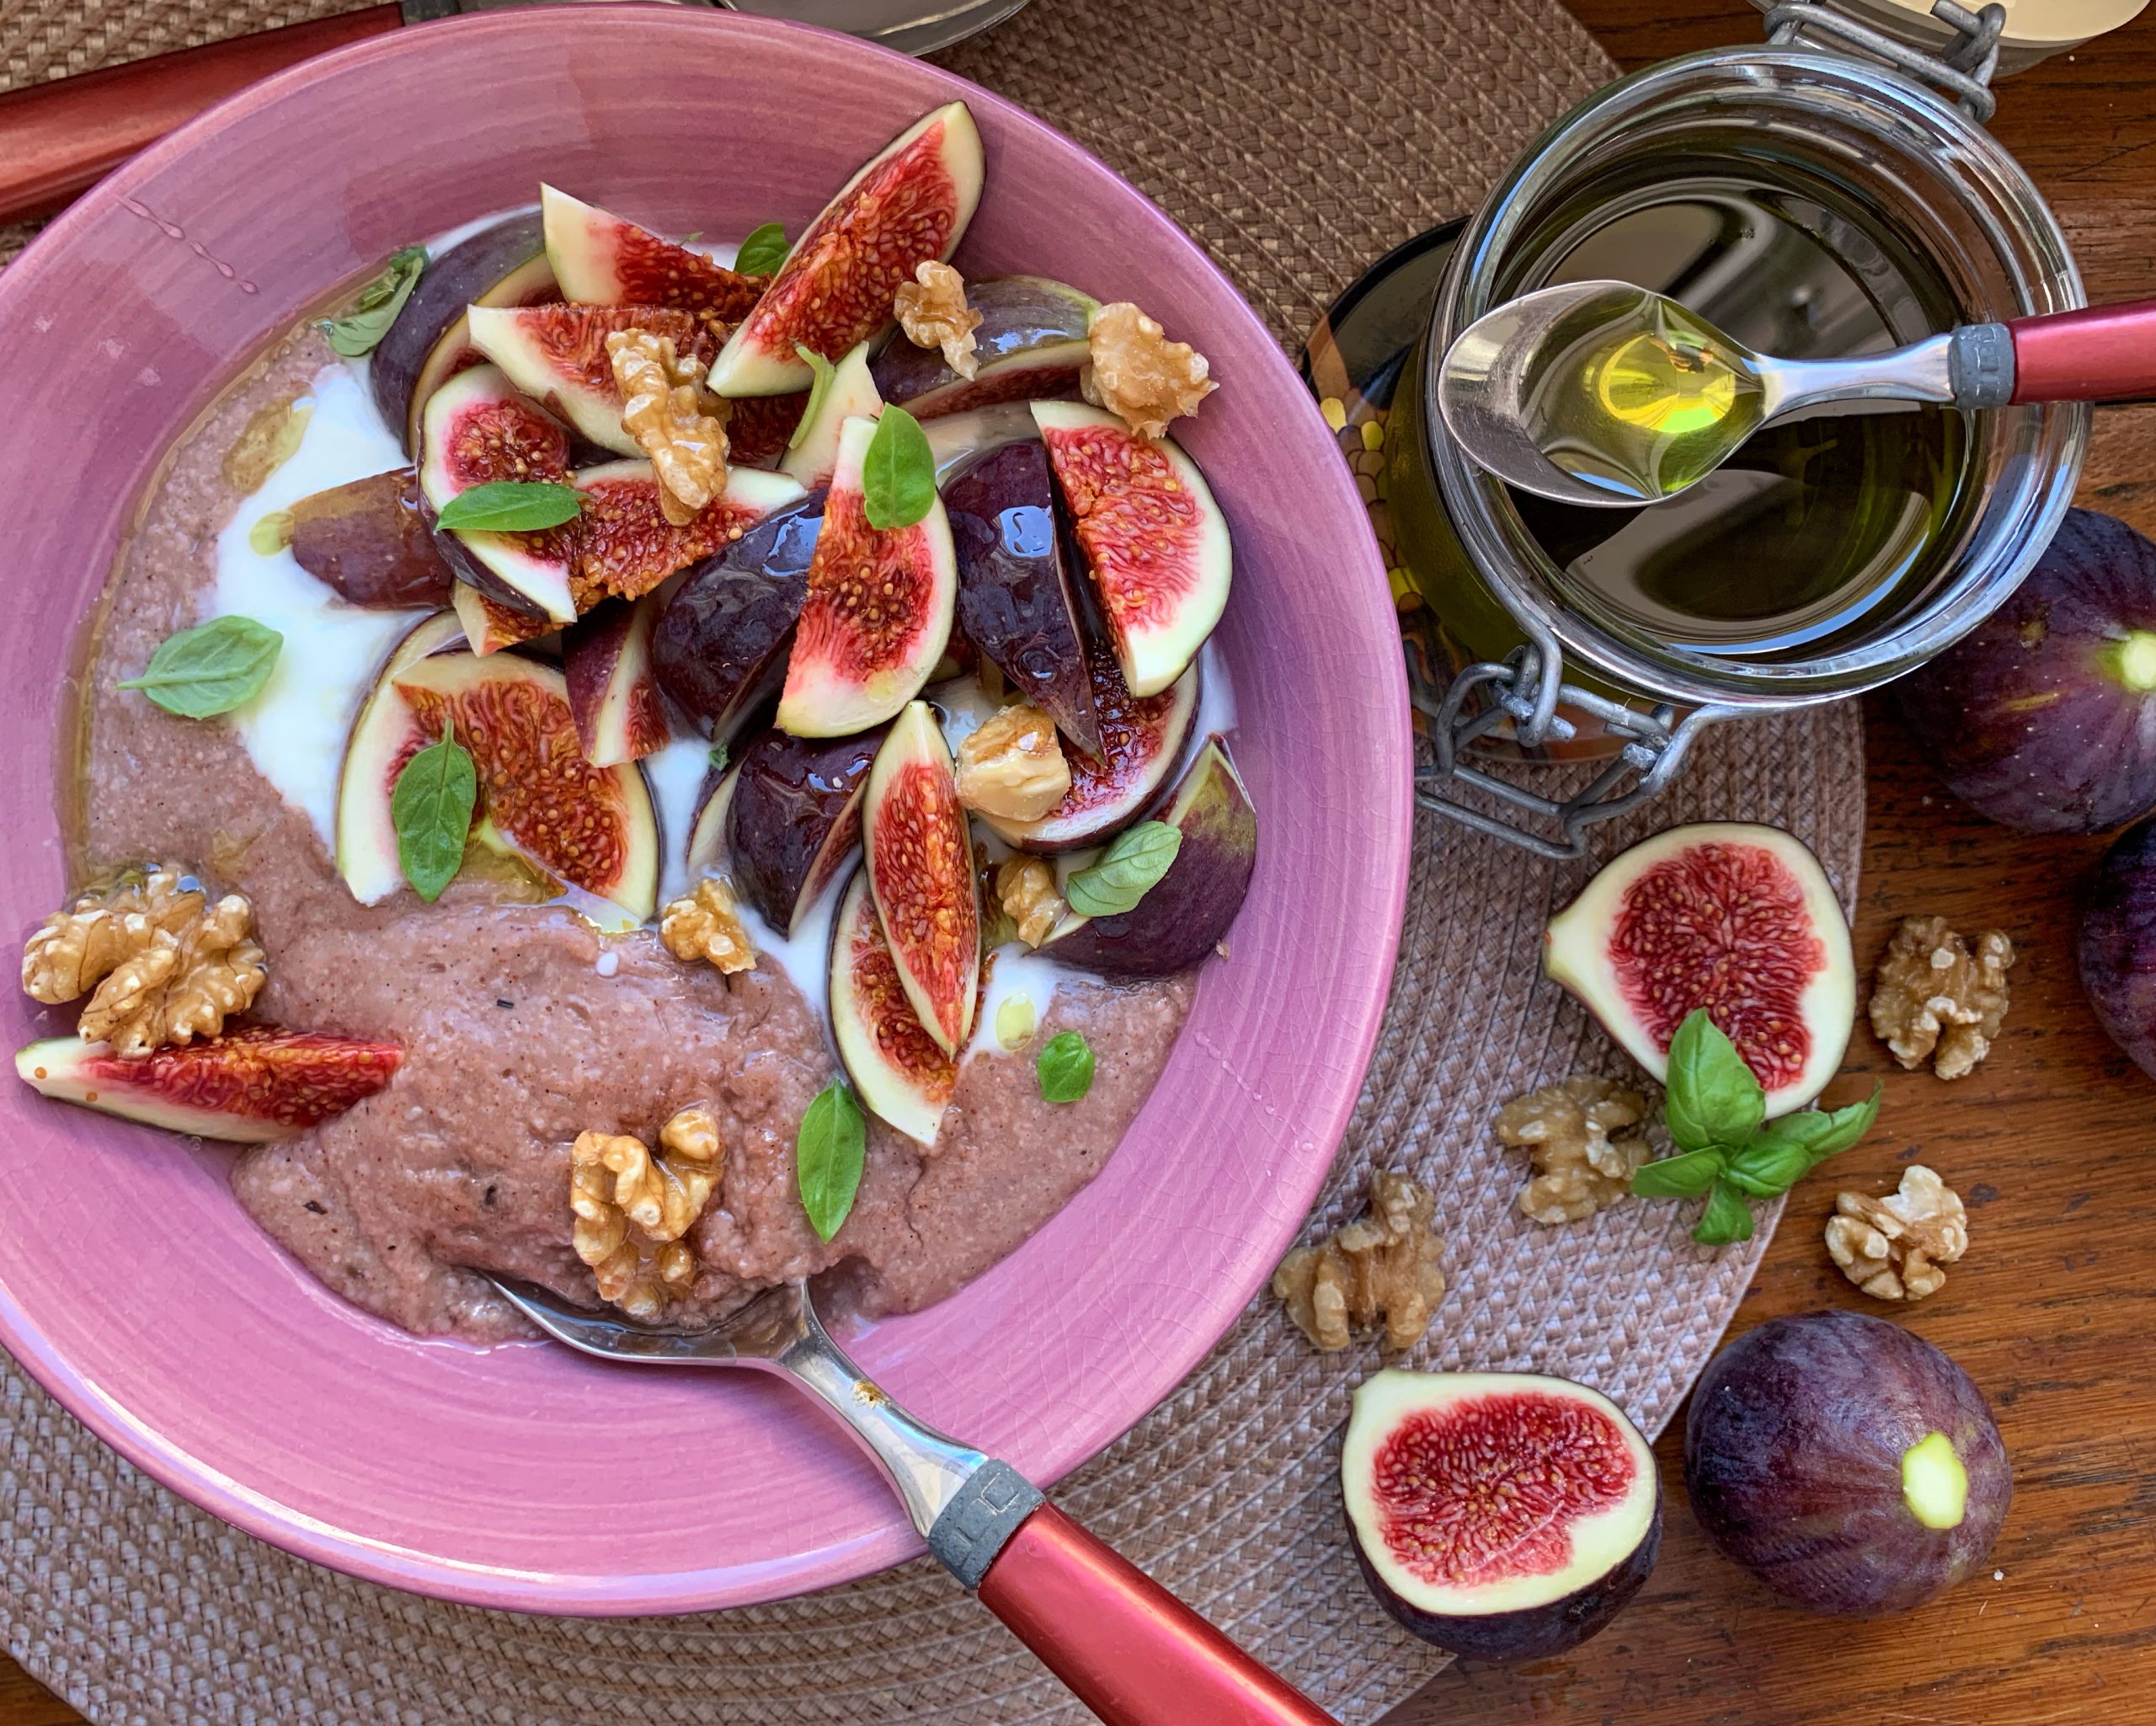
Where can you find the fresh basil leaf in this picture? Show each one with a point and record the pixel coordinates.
(360, 329)
(1682, 1177)
(1821, 1135)
(1126, 871)
(829, 1154)
(1728, 1217)
(512, 506)
(825, 372)
(760, 254)
(430, 806)
(898, 477)
(1065, 1067)
(1768, 1167)
(1713, 1096)
(202, 672)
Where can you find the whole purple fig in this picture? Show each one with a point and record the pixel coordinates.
(2118, 944)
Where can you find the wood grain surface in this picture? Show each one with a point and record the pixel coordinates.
(2052, 1142)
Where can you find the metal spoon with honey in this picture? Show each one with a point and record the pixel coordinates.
(1602, 393)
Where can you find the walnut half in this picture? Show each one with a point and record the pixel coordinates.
(160, 962)
(1893, 1248)
(706, 924)
(1382, 1265)
(1133, 371)
(1025, 887)
(1935, 1000)
(1579, 1167)
(931, 309)
(632, 1208)
(675, 420)
(1012, 767)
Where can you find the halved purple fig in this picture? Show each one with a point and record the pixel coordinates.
(1142, 741)
(613, 698)
(478, 428)
(1500, 1515)
(557, 355)
(622, 546)
(720, 649)
(793, 818)
(920, 869)
(383, 738)
(812, 453)
(369, 540)
(490, 626)
(1016, 601)
(252, 1084)
(1187, 913)
(1155, 541)
(878, 613)
(1030, 344)
(897, 1070)
(599, 259)
(429, 344)
(910, 203)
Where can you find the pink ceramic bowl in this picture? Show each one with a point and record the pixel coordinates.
(130, 1284)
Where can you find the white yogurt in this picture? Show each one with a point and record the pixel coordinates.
(676, 775)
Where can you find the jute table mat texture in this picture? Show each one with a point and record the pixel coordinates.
(1297, 139)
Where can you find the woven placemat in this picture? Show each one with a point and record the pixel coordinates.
(1297, 139)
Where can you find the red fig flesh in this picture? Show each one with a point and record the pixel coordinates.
(920, 868)
(614, 698)
(1739, 919)
(794, 819)
(478, 429)
(1845, 1462)
(371, 541)
(252, 1084)
(1029, 345)
(910, 203)
(1155, 541)
(1504, 1516)
(599, 259)
(490, 626)
(557, 355)
(622, 546)
(897, 1070)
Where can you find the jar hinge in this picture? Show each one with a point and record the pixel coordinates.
(1964, 71)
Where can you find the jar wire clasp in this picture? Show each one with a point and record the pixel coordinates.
(1964, 71)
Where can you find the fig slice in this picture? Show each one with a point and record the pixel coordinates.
(490, 626)
(877, 615)
(1500, 1515)
(1016, 603)
(707, 834)
(557, 355)
(370, 542)
(591, 827)
(1155, 543)
(429, 342)
(1030, 344)
(793, 820)
(479, 429)
(1141, 743)
(252, 1084)
(920, 868)
(908, 204)
(384, 736)
(614, 698)
(1737, 919)
(1187, 913)
(812, 455)
(599, 259)
(622, 546)
(897, 1070)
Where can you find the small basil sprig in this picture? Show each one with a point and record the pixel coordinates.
(898, 475)
(824, 371)
(200, 673)
(1728, 1150)
(360, 329)
(1065, 1067)
(1126, 871)
(512, 506)
(763, 251)
(430, 806)
(830, 1152)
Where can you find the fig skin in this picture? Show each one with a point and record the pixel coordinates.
(2043, 717)
(613, 698)
(2118, 944)
(720, 648)
(794, 817)
(1030, 344)
(1793, 1452)
(369, 540)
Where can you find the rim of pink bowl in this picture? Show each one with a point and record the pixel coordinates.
(1154, 1378)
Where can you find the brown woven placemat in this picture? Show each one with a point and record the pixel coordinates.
(1297, 139)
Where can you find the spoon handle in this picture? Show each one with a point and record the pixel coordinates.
(2098, 354)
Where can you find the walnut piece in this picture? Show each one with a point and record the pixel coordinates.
(675, 420)
(160, 963)
(1933, 999)
(1013, 766)
(1384, 1264)
(1579, 1167)
(706, 924)
(632, 1208)
(1135, 373)
(1025, 887)
(1893, 1248)
(931, 309)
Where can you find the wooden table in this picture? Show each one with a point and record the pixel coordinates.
(2052, 1143)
